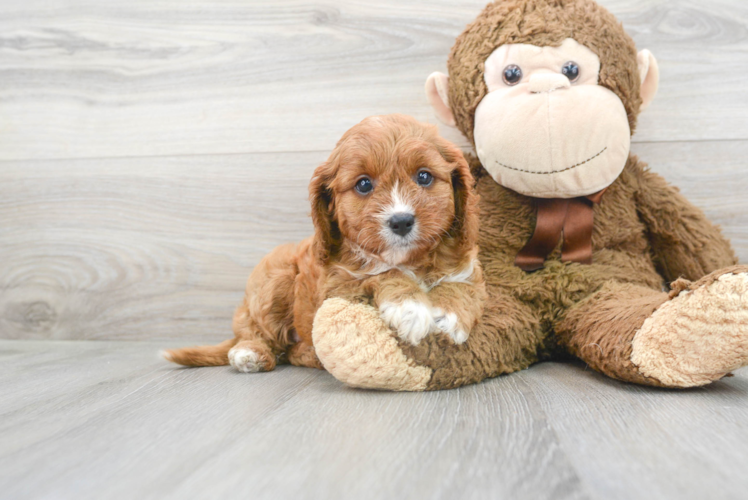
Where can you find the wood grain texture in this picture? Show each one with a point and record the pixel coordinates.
(145, 247)
(90, 420)
(633, 442)
(112, 240)
(141, 78)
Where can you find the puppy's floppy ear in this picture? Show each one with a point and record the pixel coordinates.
(327, 233)
(465, 226)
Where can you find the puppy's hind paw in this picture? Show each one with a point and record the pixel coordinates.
(448, 323)
(411, 319)
(247, 360)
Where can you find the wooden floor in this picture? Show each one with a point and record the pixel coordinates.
(107, 420)
(152, 151)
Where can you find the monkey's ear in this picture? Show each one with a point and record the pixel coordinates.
(437, 91)
(650, 77)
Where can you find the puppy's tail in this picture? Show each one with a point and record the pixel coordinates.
(204, 355)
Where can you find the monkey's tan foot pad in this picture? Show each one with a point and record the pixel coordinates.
(355, 345)
(700, 335)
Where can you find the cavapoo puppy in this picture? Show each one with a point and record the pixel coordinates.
(396, 226)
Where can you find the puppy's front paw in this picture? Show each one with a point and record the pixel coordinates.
(411, 319)
(449, 324)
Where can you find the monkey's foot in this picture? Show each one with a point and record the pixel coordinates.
(357, 347)
(700, 335)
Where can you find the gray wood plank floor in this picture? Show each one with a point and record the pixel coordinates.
(81, 419)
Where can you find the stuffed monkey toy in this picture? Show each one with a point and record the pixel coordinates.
(585, 251)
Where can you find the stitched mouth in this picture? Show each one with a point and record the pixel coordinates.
(555, 171)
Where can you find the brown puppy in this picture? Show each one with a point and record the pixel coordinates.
(396, 226)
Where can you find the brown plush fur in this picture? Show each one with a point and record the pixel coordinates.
(350, 254)
(532, 316)
(645, 232)
(601, 327)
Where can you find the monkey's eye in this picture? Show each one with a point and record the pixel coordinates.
(364, 185)
(571, 71)
(512, 74)
(424, 178)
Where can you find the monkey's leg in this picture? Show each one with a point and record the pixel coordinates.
(693, 337)
(358, 348)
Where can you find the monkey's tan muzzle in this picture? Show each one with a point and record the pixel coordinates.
(547, 138)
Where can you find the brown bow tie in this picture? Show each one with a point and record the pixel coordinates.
(572, 217)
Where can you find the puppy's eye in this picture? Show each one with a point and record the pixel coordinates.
(364, 185)
(571, 71)
(512, 74)
(424, 178)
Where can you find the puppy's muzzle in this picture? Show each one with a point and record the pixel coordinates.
(401, 224)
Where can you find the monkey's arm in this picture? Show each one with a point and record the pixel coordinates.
(684, 242)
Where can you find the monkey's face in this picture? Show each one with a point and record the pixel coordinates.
(544, 125)
(546, 128)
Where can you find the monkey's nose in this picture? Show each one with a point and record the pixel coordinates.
(402, 223)
(548, 82)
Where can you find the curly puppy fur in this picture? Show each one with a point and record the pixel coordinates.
(427, 280)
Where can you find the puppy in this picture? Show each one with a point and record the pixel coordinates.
(396, 226)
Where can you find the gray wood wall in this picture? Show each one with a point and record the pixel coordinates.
(152, 151)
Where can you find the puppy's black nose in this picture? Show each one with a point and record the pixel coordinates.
(401, 224)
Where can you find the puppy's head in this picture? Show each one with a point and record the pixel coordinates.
(395, 189)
